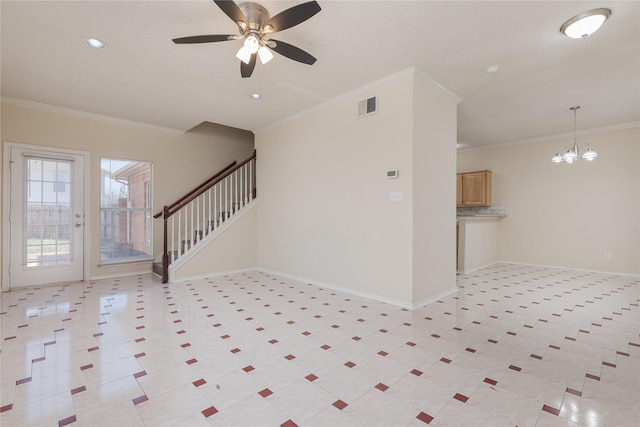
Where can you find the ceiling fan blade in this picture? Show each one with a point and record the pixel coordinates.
(231, 10)
(292, 52)
(247, 69)
(205, 38)
(293, 16)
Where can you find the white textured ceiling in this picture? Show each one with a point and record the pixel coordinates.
(143, 76)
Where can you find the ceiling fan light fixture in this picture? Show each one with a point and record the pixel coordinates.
(244, 55)
(585, 23)
(251, 43)
(265, 54)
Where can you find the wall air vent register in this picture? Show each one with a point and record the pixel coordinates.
(367, 106)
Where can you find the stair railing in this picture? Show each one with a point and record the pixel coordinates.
(203, 210)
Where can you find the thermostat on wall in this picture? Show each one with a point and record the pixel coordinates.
(392, 173)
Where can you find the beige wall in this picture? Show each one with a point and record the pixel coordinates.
(567, 215)
(434, 177)
(180, 161)
(478, 243)
(325, 209)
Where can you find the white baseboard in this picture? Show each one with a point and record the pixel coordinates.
(562, 267)
(371, 296)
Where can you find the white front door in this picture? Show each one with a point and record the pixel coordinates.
(46, 216)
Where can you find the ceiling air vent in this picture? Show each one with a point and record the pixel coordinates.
(367, 106)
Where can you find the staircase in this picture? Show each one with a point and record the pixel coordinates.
(197, 217)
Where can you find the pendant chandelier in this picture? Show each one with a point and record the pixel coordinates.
(573, 152)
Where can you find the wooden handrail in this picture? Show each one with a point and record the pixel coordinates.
(195, 194)
(204, 185)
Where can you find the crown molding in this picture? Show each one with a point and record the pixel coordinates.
(83, 114)
(564, 135)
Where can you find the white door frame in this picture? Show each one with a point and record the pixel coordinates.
(6, 205)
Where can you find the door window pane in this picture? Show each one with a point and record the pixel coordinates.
(125, 210)
(47, 214)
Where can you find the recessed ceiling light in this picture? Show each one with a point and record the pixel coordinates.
(585, 23)
(98, 44)
(255, 95)
(492, 69)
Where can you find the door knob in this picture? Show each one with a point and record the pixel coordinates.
(78, 224)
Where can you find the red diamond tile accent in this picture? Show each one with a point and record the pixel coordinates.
(139, 374)
(416, 372)
(209, 411)
(611, 365)
(289, 357)
(411, 344)
(435, 335)
(224, 337)
(6, 408)
(593, 377)
(574, 392)
(445, 360)
(356, 338)
(551, 410)
(555, 347)
(248, 368)
(461, 397)
(140, 327)
(68, 420)
(382, 353)
(325, 347)
(185, 345)
(288, 423)
(335, 326)
(23, 381)
(98, 335)
(535, 356)
(273, 341)
(424, 417)
(384, 331)
(140, 399)
(340, 404)
(490, 381)
(85, 367)
(349, 364)
(140, 339)
(470, 350)
(306, 333)
(515, 368)
(93, 349)
(622, 353)
(199, 382)
(311, 377)
(182, 331)
(137, 356)
(493, 341)
(40, 359)
(235, 350)
(266, 392)
(382, 387)
(191, 361)
(78, 390)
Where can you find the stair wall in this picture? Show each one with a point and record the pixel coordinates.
(232, 249)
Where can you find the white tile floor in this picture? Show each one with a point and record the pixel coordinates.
(517, 345)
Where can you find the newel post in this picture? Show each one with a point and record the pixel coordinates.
(165, 248)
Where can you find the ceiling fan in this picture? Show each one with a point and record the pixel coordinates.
(255, 26)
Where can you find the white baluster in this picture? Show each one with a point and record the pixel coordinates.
(179, 233)
(173, 238)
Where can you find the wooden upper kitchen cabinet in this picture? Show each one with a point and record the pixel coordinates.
(473, 188)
